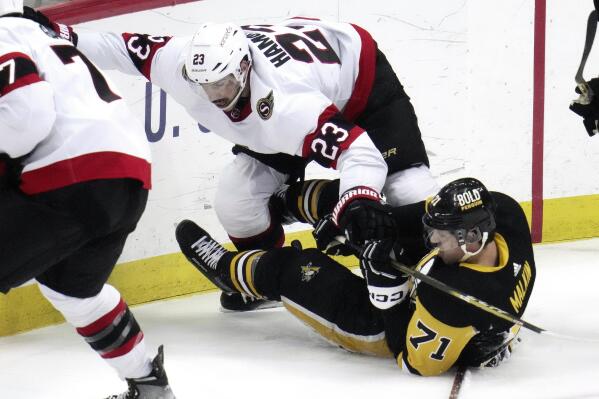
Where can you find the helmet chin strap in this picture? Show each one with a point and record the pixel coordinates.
(233, 101)
(241, 88)
(468, 255)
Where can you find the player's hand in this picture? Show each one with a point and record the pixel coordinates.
(362, 216)
(61, 30)
(324, 234)
(386, 286)
(589, 111)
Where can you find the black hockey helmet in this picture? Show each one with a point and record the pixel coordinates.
(464, 207)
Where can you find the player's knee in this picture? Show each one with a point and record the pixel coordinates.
(243, 220)
(272, 237)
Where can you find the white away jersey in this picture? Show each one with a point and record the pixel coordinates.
(61, 115)
(309, 81)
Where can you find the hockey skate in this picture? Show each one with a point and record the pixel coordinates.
(236, 302)
(203, 252)
(154, 386)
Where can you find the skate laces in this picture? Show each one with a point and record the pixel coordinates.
(209, 251)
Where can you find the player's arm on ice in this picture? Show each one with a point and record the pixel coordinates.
(27, 111)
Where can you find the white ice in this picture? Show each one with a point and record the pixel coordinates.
(269, 354)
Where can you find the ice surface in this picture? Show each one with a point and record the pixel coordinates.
(269, 354)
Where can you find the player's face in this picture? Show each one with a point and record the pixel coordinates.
(447, 243)
(222, 92)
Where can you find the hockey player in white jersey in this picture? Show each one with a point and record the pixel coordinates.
(74, 180)
(304, 90)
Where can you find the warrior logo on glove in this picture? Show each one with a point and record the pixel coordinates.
(361, 215)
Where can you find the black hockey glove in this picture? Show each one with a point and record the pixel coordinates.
(386, 286)
(362, 216)
(590, 111)
(324, 234)
(61, 30)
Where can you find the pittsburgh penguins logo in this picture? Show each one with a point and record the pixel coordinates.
(265, 105)
(309, 272)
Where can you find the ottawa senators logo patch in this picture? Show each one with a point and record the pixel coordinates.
(265, 105)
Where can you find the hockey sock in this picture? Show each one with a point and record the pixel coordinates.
(310, 200)
(240, 269)
(258, 273)
(108, 326)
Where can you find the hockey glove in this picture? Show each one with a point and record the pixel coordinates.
(61, 30)
(387, 286)
(324, 234)
(362, 216)
(588, 110)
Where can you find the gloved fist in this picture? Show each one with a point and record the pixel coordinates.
(589, 110)
(362, 216)
(386, 286)
(324, 234)
(61, 30)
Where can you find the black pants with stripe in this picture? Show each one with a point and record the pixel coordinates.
(325, 295)
(68, 239)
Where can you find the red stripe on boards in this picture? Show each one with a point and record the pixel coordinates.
(538, 121)
(77, 11)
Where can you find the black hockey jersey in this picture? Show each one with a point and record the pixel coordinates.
(440, 331)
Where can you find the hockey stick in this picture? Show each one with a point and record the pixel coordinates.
(479, 303)
(457, 382)
(586, 93)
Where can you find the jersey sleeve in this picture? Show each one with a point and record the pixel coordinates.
(27, 111)
(431, 346)
(131, 53)
(340, 144)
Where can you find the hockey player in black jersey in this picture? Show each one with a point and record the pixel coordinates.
(480, 245)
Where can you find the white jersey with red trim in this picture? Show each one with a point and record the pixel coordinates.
(60, 114)
(309, 81)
